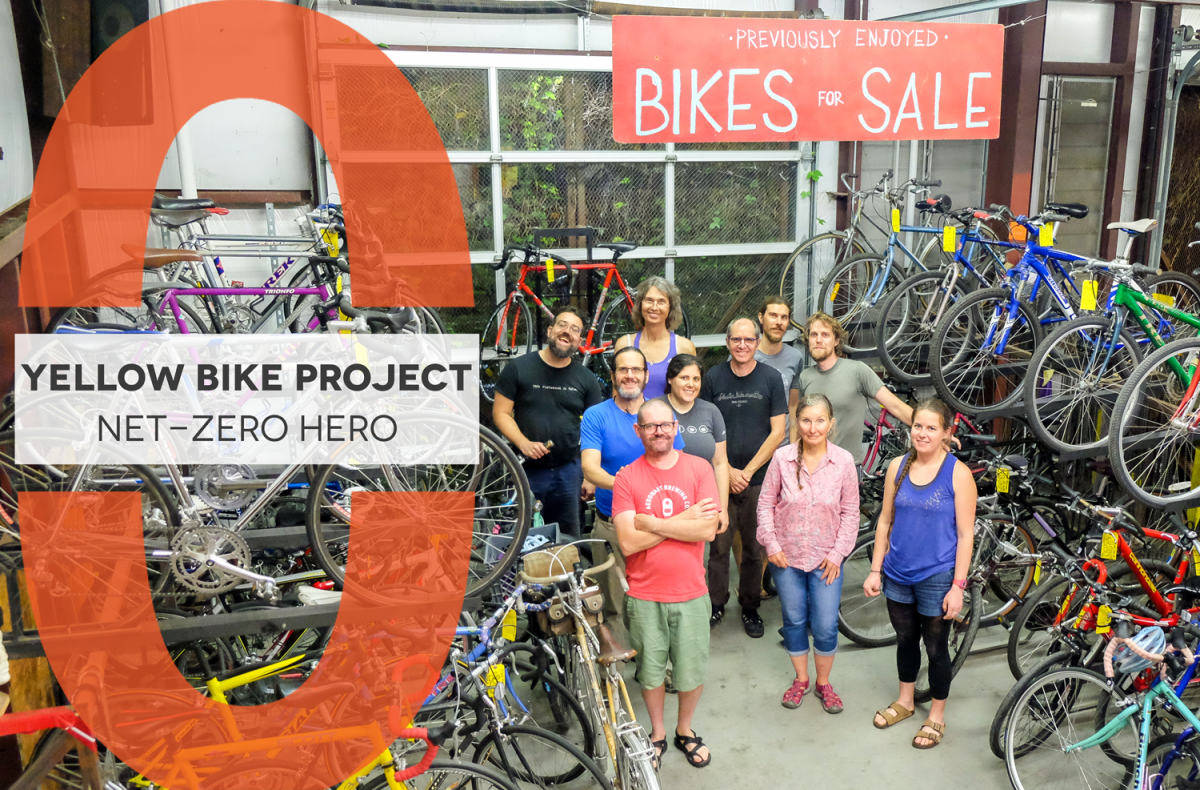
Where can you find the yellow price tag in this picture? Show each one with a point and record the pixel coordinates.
(495, 677)
(332, 242)
(1087, 300)
(1108, 546)
(1195, 561)
(1037, 573)
(549, 270)
(896, 220)
(833, 294)
(949, 238)
(1046, 235)
(1002, 479)
(508, 626)
(1047, 375)
(1104, 620)
(1169, 301)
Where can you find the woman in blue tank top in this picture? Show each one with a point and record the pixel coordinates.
(922, 554)
(657, 311)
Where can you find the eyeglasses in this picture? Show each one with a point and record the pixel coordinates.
(743, 341)
(629, 371)
(567, 326)
(657, 427)
(656, 302)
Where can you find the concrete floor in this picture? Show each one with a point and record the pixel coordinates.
(757, 743)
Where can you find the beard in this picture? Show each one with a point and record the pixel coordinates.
(559, 351)
(630, 393)
(774, 338)
(821, 354)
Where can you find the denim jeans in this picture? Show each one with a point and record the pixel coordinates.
(809, 606)
(558, 489)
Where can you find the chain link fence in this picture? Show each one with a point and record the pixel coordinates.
(735, 203)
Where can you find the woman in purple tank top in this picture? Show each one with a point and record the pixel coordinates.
(923, 547)
(657, 311)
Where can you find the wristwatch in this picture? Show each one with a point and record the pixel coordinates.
(960, 584)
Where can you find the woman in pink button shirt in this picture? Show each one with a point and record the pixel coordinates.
(807, 522)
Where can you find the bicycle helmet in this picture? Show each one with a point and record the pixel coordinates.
(1152, 640)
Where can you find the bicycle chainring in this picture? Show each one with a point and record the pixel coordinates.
(210, 480)
(192, 551)
(239, 319)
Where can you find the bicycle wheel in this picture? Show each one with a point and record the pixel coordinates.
(126, 319)
(507, 335)
(616, 322)
(556, 708)
(962, 637)
(450, 775)
(863, 620)
(852, 294)
(1006, 547)
(536, 758)
(996, 733)
(1180, 291)
(980, 352)
(503, 501)
(828, 251)
(1063, 708)
(1173, 757)
(1154, 448)
(1075, 377)
(907, 319)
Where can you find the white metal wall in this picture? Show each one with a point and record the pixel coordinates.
(16, 166)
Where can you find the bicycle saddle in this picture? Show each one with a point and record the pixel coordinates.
(154, 258)
(612, 651)
(1015, 461)
(619, 246)
(181, 204)
(1076, 210)
(1134, 228)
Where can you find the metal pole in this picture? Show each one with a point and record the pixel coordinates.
(669, 212)
(814, 150)
(1164, 163)
(497, 177)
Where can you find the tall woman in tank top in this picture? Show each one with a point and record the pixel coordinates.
(657, 312)
(922, 554)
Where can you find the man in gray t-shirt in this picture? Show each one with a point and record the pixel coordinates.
(775, 317)
(849, 384)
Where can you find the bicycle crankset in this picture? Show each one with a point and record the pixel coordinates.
(205, 559)
(217, 486)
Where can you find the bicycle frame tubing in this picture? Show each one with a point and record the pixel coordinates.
(171, 298)
(1159, 688)
(1188, 732)
(1132, 300)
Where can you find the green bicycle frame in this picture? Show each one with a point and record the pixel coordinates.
(1132, 300)
(1114, 726)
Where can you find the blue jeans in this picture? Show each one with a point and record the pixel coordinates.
(558, 488)
(927, 594)
(809, 606)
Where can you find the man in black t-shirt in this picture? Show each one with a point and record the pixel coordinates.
(751, 398)
(540, 399)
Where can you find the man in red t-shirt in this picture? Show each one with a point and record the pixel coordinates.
(665, 507)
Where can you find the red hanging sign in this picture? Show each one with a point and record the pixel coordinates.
(705, 80)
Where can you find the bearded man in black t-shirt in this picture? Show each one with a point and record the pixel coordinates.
(539, 401)
(751, 399)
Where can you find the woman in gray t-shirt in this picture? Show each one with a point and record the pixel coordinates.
(700, 424)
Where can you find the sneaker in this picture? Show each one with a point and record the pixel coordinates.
(830, 701)
(717, 615)
(753, 624)
(795, 695)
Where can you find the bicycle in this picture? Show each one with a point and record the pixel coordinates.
(593, 662)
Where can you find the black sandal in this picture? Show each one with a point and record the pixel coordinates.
(682, 742)
(660, 748)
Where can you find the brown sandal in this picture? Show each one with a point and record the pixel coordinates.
(936, 731)
(901, 714)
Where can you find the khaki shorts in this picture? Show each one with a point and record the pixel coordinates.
(679, 631)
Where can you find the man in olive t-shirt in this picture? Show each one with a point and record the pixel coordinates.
(849, 384)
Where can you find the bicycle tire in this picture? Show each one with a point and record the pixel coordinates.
(1067, 366)
(996, 732)
(523, 773)
(1001, 594)
(616, 322)
(1062, 708)
(842, 296)
(863, 620)
(1152, 451)
(566, 713)
(840, 251)
(503, 500)
(962, 637)
(474, 777)
(507, 335)
(965, 370)
(93, 318)
(907, 320)
(1164, 759)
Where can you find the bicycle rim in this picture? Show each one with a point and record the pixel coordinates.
(1061, 709)
(863, 620)
(908, 318)
(828, 250)
(507, 335)
(536, 758)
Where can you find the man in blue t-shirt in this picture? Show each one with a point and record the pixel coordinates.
(609, 443)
